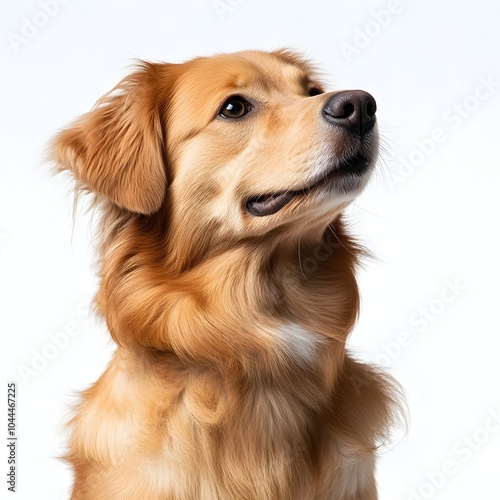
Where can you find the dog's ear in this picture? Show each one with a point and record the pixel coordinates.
(116, 150)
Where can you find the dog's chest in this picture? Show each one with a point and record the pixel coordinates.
(203, 440)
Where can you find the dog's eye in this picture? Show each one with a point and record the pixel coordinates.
(235, 107)
(314, 91)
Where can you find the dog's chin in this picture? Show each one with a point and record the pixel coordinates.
(344, 179)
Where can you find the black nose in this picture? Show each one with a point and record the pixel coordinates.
(353, 110)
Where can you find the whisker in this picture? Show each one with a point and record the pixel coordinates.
(330, 227)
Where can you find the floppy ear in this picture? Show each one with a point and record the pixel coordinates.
(116, 150)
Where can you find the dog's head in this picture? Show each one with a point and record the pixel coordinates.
(240, 144)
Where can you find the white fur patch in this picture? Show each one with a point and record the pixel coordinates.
(298, 342)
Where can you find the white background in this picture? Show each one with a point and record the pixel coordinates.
(430, 301)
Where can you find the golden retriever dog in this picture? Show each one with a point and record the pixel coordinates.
(227, 281)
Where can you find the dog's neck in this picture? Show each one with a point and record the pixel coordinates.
(232, 311)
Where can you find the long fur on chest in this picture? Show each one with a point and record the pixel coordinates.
(242, 404)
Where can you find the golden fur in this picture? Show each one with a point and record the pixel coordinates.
(231, 378)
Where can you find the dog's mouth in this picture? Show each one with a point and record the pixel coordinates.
(268, 204)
